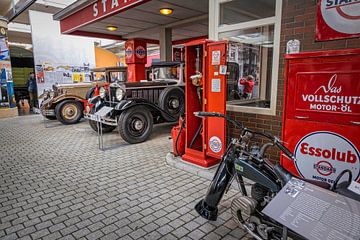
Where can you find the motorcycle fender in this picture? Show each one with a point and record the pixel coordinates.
(253, 173)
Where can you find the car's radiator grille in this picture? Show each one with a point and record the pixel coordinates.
(151, 95)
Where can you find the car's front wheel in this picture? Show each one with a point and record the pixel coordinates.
(69, 112)
(94, 125)
(135, 124)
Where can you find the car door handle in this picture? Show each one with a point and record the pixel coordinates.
(301, 117)
(355, 123)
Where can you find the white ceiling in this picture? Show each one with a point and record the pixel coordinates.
(145, 20)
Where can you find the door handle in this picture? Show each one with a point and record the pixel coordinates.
(354, 122)
(301, 117)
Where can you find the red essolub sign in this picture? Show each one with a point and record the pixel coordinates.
(321, 123)
(337, 19)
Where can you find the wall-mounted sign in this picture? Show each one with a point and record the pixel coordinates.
(337, 19)
(323, 156)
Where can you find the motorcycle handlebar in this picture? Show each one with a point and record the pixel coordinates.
(276, 141)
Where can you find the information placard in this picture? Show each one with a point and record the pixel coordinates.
(314, 212)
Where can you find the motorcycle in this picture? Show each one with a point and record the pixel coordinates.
(243, 159)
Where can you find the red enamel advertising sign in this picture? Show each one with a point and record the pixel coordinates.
(337, 19)
(96, 11)
(331, 93)
(321, 123)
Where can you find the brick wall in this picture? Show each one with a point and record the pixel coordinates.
(298, 22)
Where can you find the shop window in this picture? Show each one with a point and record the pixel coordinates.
(253, 30)
(252, 51)
(238, 11)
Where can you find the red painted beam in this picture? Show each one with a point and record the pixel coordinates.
(97, 35)
(183, 41)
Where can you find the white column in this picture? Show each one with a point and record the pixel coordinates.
(165, 44)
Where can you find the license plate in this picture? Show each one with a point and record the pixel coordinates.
(92, 117)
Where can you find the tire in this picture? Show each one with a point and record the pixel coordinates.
(135, 124)
(50, 117)
(69, 112)
(172, 100)
(90, 93)
(105, 128)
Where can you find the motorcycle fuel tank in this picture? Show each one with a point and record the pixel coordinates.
(262, 177)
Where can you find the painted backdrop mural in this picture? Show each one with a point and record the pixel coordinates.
(59, 58)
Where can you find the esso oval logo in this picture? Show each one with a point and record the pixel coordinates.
(140, 52)
(323, 156)
(215, 144)
(342, 15)
(128, 52)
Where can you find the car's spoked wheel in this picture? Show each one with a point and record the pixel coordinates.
(174, 105)
(135, 124)
(172, 100)
(69, 111)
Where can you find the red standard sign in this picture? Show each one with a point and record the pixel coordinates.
(96, 11)
(337, 19)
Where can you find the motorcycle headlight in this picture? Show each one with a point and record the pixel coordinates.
(120, 94)
(102, 92)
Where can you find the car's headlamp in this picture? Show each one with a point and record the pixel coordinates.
(51, 94)
(102, 92)
(119, 94)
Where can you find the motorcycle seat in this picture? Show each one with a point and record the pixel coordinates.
(285, 176)
(342, 189)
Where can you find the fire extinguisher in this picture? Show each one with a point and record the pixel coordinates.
(178, 136)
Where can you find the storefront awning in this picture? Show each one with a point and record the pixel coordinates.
(135, 19)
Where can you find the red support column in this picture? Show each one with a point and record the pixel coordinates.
(135, 58)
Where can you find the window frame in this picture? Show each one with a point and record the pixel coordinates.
(215, 29)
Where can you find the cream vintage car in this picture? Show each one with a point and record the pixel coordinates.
(65, 102)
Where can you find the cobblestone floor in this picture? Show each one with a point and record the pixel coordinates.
(56, 184)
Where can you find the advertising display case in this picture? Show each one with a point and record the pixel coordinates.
(321, 116)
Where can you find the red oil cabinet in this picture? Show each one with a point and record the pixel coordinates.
(321, 115)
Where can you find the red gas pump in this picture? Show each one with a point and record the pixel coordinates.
(205, 90)
(321, 121)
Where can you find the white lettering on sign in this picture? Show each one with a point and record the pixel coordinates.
(104, 7)
(96, 10)
(324, 155)
(342, 15)
(325, 98)
(114, 3)
(330, 88)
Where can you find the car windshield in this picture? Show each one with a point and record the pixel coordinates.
(114, 76)
(117, 77)
(166, 73)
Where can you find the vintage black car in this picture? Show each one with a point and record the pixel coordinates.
(134, 107)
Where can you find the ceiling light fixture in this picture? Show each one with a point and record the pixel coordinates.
(166, 11)
(111, 28)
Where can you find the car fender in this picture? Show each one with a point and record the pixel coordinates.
(133, 102)
(61, 98)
